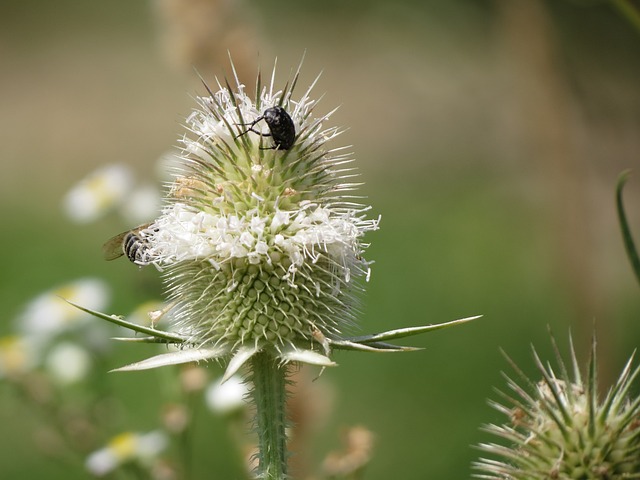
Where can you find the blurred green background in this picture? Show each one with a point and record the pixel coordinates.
(489, 134)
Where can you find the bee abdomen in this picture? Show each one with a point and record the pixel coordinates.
(135, 248)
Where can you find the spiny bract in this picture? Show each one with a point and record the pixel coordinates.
(560, 429)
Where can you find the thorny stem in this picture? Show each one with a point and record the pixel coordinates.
(269, 395)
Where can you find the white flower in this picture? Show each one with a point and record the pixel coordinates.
(99, 192)
(49, 314)
(182, 233)
(68, 363)
(126, 447)
(226, 397)
(142, 205)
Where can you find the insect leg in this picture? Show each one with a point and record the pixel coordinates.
(250, 129)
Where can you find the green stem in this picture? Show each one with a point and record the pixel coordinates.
(629, 11)
(269, 394)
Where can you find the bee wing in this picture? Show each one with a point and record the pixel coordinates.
(112, 248)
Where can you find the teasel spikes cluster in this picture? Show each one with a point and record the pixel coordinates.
(560, 428)
(260, 245)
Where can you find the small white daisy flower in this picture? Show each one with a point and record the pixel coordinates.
(48, 314)
(142, 204)
(68, 363)
(226, 397)
(126, 447)
(98, 193)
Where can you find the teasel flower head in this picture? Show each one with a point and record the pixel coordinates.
(260, 242)
(560, 428)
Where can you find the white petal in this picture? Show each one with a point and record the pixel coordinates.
(68, 363)
(152, 444)
(142, 205)
(101, 462)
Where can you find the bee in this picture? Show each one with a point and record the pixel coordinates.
(281, 128)
(128, 243)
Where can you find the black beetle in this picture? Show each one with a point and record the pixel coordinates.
(281, 126)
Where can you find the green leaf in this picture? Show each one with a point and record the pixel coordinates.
(167, 337)
(629, 245)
